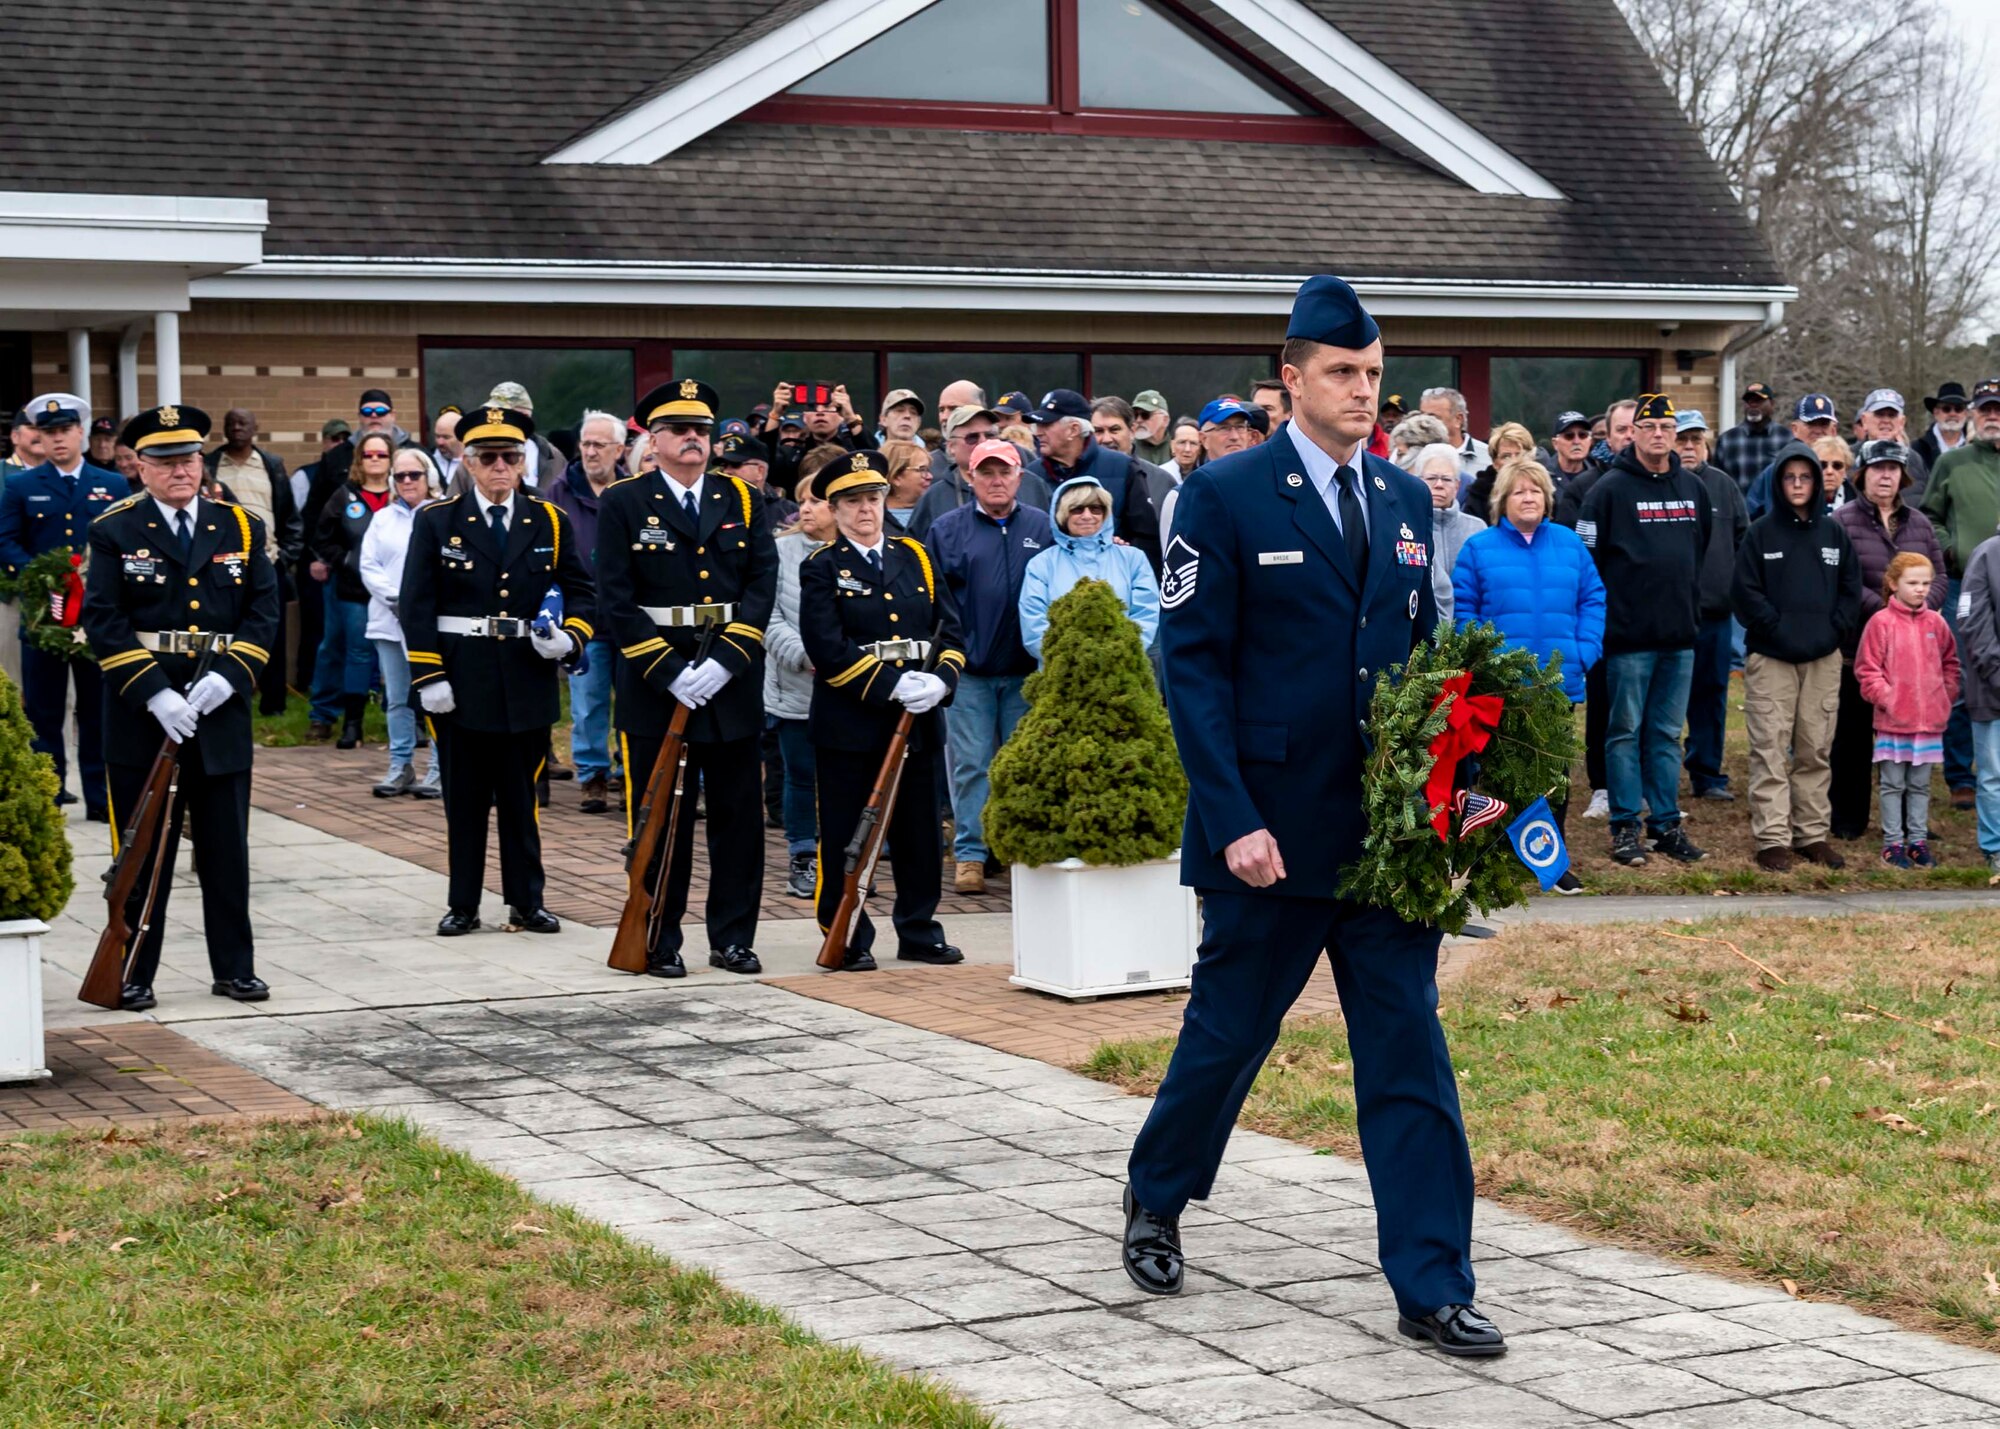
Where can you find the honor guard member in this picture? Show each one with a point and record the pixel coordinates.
(1297, 573)
(42, 508)
(478, 569)
(870, 608)
(173, 576)
(680, 549)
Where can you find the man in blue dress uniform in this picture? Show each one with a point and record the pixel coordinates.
(1297, 572)
(42, 508)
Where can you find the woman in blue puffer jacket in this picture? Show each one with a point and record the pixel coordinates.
(1084, 550)
(1535, 581)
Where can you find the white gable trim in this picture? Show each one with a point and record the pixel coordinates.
(772, 64)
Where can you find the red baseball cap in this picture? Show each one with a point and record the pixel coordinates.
(992, 448)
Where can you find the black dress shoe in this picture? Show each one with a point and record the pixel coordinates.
(665, 965)
(940, 954)
(560, 772)
(457, 923)
(734, 959)
(63, 796)
(241, 989)
(136, 997)
(1457, 1330)
(858, 960)
(1152, 1249)
(97, 814)
(538, 921)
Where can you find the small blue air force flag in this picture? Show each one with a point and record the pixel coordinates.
(1539, 843)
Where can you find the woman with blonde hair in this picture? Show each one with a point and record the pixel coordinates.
(414, 481)
(1510, 442)
(1836, 470)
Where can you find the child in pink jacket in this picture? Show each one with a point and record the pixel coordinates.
(1907, 668)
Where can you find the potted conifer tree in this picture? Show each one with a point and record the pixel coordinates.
(1086, 804)
(35, 883)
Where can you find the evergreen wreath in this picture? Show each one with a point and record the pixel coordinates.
(1404, 865)
(47, 576)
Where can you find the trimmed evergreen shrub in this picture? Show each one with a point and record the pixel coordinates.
(1091, 771)
(35, 878)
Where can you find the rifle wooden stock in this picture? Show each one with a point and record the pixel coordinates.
(658, 827)
(104, 983)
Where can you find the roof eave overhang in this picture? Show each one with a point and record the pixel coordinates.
(83, 259)
(425, 280)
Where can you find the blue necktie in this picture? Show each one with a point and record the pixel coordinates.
(497, 515)
(184, 535)
(1353, 525)
(693, 511)
(875, 562)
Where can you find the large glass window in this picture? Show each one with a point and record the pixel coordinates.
(990, 51)
(563, 382)
(1132, 54)
(1188, 380)
(1531, 390)
(1407, 377)
(997, 373)
(744, 377)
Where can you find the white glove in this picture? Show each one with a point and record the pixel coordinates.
(918, 691)
(688, 689)
(176, 716)
(553, 646)
(210, 693)
(436, 697)
(707, 679)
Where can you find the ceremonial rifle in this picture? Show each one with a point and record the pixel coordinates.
(864, 850)
(658, 827)
(104, 984)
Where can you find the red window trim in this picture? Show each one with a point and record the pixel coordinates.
(1067, 115)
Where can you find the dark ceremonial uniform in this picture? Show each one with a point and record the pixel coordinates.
(667, 572)
(468, 598)
(40, 509)
(863, 628)
(149, 607)
(1279, 614)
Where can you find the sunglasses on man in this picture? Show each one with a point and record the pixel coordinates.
(376, 409)
(488, 456)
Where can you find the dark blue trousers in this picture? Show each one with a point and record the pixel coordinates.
(45, 682)
(1257, 953)
(1708, 705)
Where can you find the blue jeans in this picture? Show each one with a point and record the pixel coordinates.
(1642, 746)
(1986, 742)
(1958, 731)
(590, 714)
(346, 664)
(402, 715)
(1708, 705)
(801, 812)
(984, 711)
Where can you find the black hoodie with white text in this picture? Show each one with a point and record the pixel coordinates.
(1648, 532)
(1798, 582)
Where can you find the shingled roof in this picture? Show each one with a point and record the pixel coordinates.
(420, 132)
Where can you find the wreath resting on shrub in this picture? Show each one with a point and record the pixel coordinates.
(51, 582)
(1420, 869)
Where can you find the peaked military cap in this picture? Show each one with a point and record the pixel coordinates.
(685, 399)
(857, 471)
(495, 424)
(59, 409)
(166, 430)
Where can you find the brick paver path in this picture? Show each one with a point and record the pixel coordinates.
(134, 1074)
(582, 854)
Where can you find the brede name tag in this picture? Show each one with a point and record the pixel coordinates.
(1281, 558)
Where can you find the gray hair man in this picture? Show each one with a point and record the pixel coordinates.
(1447, 404)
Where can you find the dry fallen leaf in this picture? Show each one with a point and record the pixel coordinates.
(1895, 1121)
(1562, 1000)
(523, 1226)
(369, 1332)
(1791, 1288)
(63, 1237)
(1857, 1017)
(1986, 1110)
(327, 1201)
(34, 1288)
(1828, 1237)
(122, 1242)
(1823, 1083)
(1685, 1011)
(1992, 1284)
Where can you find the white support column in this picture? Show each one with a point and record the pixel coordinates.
(79, 363)
(167, 356)
(128, 367)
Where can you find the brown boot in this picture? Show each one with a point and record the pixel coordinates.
(318, 732)
(1777, 860)
(594, 801)
(1822, 853)
(971, 878)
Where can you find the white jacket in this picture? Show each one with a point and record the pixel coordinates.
(788, 681)
(382, 552)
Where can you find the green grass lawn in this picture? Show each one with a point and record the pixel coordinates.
(349, 1272)
(1669, 1095)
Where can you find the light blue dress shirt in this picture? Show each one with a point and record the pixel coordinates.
(1320, 469)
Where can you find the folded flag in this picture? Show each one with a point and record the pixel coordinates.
(1538, 843)
(550, 617)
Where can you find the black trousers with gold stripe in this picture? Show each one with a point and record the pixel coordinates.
(483, 770)
(219, 807)
(730, 774)
(845, 779)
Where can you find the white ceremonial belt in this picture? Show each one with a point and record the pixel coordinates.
(712, 613)
(498, 627)
(887, 650)
(185, 642)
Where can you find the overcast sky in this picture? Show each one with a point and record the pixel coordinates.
(1979, 20)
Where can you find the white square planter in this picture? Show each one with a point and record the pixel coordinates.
(1084, 931)
(22, 1058)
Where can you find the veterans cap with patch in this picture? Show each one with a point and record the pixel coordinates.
(1816, 407)
(495, 424)
(1394, 403)
(1150, 401)
(737, 448)
(59, 409)
(103, 427)
(1758, 391)
(857, 471)
(1883, 399)
(1014, 404)
(1653, 407)
(1565, 420)
(685, 399)
(1062, 402)
(511, 395)
(1986, 391)
(1221, 410)
(166, 431)
(1327, 310)
(791, 419)
(1689, 420)
(903, 396)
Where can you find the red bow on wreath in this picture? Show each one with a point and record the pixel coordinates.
(1468, 729)
(66, 605)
